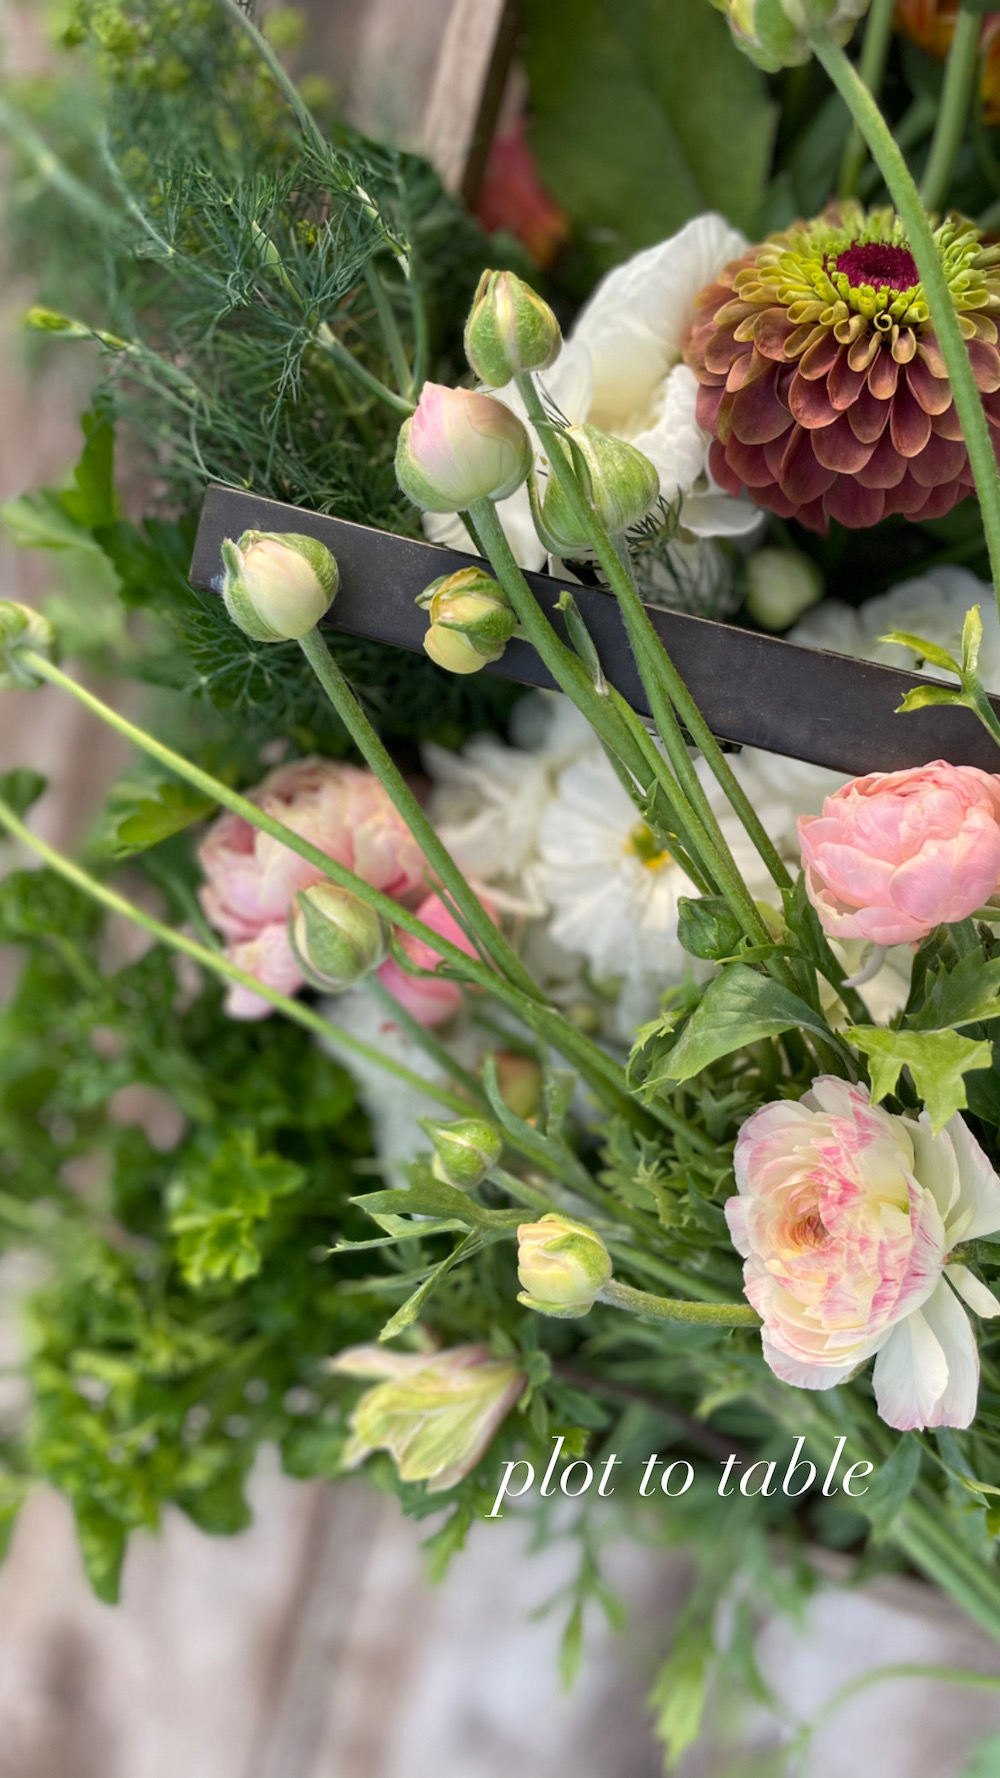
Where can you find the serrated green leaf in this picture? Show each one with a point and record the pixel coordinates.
(924, 697)
(140, 814)
(928, 651)
(428, 1196)
(408, 1312)
(969, 994)
(39, 903)
(738, 1007)
(938, 1062)
(217, 1207)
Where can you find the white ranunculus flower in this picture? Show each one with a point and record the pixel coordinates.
(620, 369)
(931, 605)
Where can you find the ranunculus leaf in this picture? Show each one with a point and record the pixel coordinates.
(738, 1008)
(938, 1062)
(895, 1480)
(636, 106)
(140, 814)
(21, 788)
(969, 994)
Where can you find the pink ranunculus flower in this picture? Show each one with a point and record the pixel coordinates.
(428, 999)
(895, 854)
(845, 1215)
(251, 878)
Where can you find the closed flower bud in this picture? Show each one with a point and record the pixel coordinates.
(562, 1266)
(510, 329)
(620, 483)
(520, 1081)
(336, 938)
(460, 446)
(775, 33)
(436, 1413)
(464, 1152)
(277, 585)
(21, 629)
(471, 606)
(781, 585)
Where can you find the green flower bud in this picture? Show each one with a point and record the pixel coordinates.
(21, 629)
(781, 585)
(458, 447)
(435, 1412)
(470, 606)
(775, 33)
(562, 1266)
(277, 585)
(464, 1151)
(509, 329)
(336, 937)
(620, 483)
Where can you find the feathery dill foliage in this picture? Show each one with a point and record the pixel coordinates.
(226, 266)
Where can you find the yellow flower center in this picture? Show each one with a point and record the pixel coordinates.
(643, 844)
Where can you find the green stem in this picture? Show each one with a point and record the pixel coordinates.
(953, 111)
(486, 935)
(390, 332)
(306, 121)
(874, 55)
(603, 1075)
(218, 964)
(662, 1308)
(566, 667)
(653, 654)
(327, 341)
(428, 1042)
(906, 198)
(984, 1682)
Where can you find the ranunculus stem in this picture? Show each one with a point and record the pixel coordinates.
(654, 663)
(663, 1308)
(218, 964)
(487, 937)
(906, 198)
(604, 1075)
(953, 110)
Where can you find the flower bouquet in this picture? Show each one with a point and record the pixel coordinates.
(566, 1108)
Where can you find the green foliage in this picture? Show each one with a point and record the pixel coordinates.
(937, 1060)
(218, 1206)
(893, 1483)
(738, 1008)
(636, 109)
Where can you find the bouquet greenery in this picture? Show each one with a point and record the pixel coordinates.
(573, 1108)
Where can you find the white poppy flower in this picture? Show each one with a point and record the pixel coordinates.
(620, 369)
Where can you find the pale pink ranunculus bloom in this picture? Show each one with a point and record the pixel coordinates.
(251, 878)
(895, 854)
(428, 999)
(460, 446)
(845, 1215)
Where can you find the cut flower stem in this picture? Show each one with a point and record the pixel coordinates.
(662, 1308)
(906, 198)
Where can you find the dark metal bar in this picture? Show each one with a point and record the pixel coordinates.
(753, 690)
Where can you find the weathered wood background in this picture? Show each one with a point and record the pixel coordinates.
(310, 1646)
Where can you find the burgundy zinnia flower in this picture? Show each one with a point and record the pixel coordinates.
(822, 381)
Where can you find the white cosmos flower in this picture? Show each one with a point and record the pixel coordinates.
(620, 369)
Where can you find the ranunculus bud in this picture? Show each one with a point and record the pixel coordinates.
(277, 585)
(471, 621)
(21, 629)
(781, 585)
(510, 329)
(520, 1081)
(336, 938)
(460, 446)
(464, 1151)
(775, 33)
(562, 1266)
(620, 483)
(436, 1412)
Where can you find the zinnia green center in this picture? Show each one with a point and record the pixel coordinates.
(879, 264)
